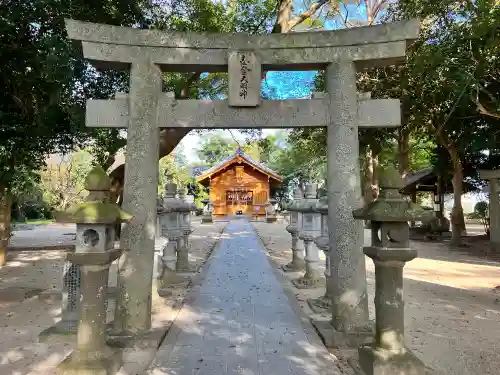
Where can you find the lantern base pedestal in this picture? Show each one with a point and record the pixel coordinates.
(309, 283)
(376, 361)
(320, 305)
(61, 328)
(107, 362)
(296, 265)
(338, 339)
(207, 219)
(169, 279)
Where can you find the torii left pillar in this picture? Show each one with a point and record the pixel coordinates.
(135, 274)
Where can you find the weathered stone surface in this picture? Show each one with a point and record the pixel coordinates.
(244, 75)
(287, 113)
(381, 44)
(347, 261)
(133, 311)
(93, 32)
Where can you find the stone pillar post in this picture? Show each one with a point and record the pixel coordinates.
(134, 285)
(297, 263)
(347, 261)
(309, 230)
(92, 355)
(390, 250)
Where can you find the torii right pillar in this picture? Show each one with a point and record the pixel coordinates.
(493, 177)
(350, 324)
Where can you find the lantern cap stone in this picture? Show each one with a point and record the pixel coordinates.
(98, 209)
(97, 180)
(391, 206)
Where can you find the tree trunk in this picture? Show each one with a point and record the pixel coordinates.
(404, 151)
(5, 222)
(457, 213)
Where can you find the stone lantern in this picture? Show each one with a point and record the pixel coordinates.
(170, 222)
(324, 303)
(207, 211)
(95, 235)
(297, 263)
(310, 228)
(185, 209)
(270, 211)
(390, 250)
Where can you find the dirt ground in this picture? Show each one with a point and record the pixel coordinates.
(452, 304)
(23, 314)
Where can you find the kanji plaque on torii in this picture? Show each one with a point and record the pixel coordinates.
(244, 70)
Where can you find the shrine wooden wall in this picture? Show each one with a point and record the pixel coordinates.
(239, 177)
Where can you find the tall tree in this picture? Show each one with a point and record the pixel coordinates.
(41, 104)
(452, 69)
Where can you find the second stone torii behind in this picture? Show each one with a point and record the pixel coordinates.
(146, 53)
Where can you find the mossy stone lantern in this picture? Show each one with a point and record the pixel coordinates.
(390, 250)
(297, 263)
(95, 218)
(95, 222)
(310, 228)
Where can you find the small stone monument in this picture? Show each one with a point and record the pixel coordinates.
(171, 229)
(270, 211)
(207, 211)
(95, 231)
(390, 250)
(297, 263)
(309, 230)
(323, 304)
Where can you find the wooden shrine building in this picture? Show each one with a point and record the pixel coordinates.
(239, 183)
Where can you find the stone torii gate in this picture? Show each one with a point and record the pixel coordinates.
(148, 53)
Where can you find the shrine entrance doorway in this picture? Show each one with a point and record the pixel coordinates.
(239, 200)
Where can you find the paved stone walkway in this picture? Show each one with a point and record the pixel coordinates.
(241, 321)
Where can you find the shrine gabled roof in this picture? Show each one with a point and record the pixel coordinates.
(245, 158)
